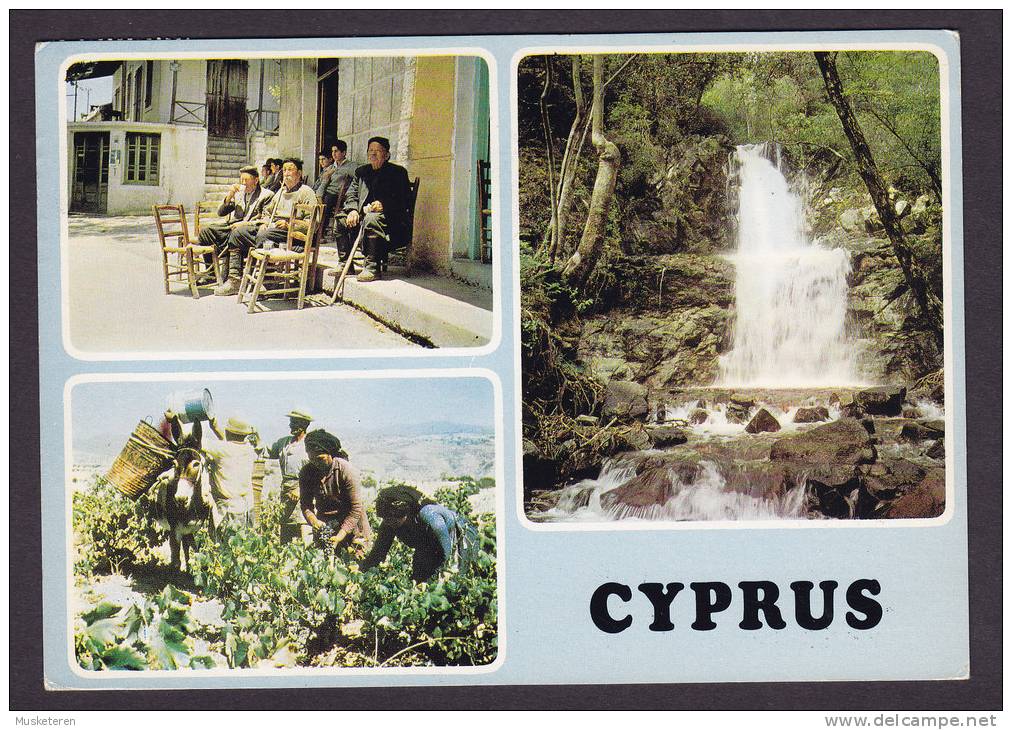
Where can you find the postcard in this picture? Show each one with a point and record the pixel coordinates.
(502, 360)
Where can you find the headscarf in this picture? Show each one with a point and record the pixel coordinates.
(323, 442)
(399, 500)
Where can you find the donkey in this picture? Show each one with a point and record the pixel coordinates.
(182, 496)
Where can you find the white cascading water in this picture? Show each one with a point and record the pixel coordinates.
(704, 499)
(791, 293)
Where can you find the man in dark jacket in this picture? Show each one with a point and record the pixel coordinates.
(243, 204)
(378, 200)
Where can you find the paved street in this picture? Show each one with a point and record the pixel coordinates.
(117, 304)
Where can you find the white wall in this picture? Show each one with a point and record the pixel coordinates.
(371, 102)
(183, 152)
(297, 130)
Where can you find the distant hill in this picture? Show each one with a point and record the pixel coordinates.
(419, 452)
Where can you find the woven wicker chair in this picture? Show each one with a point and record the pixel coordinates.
(276, 271)
(181, 257)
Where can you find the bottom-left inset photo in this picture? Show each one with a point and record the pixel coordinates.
(324, 521)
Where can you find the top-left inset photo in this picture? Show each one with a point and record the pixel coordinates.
(286, 206)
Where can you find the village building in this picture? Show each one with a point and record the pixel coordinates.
(177, 131)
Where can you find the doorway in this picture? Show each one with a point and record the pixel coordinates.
(90, 190)
(326, 103)
(226, 99)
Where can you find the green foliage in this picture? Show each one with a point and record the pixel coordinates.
(551, 378)
(286, 603)
(155, 634)
(112, 532)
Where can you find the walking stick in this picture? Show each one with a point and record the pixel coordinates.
(347, 265)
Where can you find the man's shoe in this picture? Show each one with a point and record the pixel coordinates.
(367, 274)
(227, 289)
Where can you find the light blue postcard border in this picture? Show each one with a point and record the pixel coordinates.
(549, 576)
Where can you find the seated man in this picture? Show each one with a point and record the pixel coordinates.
(274, 230)
(336, 174)
(378, 200)
(274, 181)
(266, 176)
(243, 204)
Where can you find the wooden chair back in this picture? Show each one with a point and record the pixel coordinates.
(205, 212)
(484, 210)
(302, 226)
(170, 221)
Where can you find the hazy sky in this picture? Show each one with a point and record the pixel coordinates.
(103, 411)
(90, 92)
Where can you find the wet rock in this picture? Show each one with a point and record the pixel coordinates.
(662, 437)
(842, 442)
(834, 399)
(604, 369)
(624, 400)
(851, 410)
(811, 414)
(870, 219)
(661, 413)
(852, 221)
(653, 487)
(701, 403)
(936, 450)
(926, 499)
(632, 438)
(838, 502)
(739, 409)
(763, 421)
(882, 401)
(887, 480)
(922, 431)
(698, 416)
(910, 411)
(569, 498)
(582, 465)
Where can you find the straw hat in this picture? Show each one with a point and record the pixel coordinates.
(237, 428)
(300, 415)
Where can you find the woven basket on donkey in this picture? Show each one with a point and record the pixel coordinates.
(145, 455)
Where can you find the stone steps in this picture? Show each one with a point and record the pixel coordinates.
(221, 165)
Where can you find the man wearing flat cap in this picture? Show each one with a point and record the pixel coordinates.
(243, 205)
(290, 451)
(378, 200)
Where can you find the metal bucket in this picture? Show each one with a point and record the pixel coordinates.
(192, 406)
(145, 455)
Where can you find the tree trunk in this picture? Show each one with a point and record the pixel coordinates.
(577, 270)
(551, 236)
(929, 304)
(570, 158)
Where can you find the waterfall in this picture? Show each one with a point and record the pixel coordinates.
(790, 292)
(705, 498)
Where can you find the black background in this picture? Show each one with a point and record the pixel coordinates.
(981, 63)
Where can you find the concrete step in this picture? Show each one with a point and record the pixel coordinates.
(435, 309)
(226, 142)
(225, 159)
(231, 172)
(215, 192)
(221, 179)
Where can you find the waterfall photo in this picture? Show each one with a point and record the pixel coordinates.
(732, 286)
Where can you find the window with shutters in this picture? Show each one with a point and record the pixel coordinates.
(142, 154)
